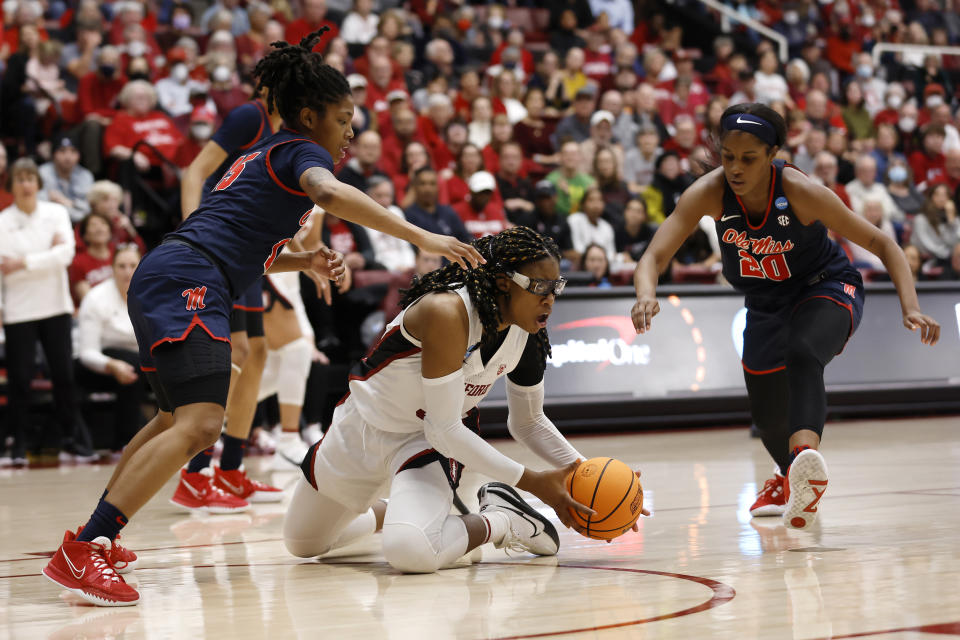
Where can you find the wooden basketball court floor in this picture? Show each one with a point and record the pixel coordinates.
(883, 563)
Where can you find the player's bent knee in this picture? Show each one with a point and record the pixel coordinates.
(239, 351)
(304, 548)
(256, 352)
(408, 550)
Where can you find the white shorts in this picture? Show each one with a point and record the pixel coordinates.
(356, 462)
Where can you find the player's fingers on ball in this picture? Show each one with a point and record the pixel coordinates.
(581, 508)
(645, 512)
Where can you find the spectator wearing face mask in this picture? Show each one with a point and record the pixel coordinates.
(892, 101)
(173, 92)
(202, 123)
(934, 95)
(901, 188)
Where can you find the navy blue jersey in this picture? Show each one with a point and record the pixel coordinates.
(243, 127)
(256, 208)
(781, 255)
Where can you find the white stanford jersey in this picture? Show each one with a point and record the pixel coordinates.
(385, 386)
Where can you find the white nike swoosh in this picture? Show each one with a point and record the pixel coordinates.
(76, 574)
(740, 121)
(236, 490)
(725, 218)
(196, 494)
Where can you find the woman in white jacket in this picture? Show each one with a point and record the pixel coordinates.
(36, 247)
(108, 347)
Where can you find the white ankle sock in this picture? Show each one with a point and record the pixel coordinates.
(498, 523)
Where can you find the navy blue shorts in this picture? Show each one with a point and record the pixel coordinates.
(247, 312)
(765, 336)
(174, 291)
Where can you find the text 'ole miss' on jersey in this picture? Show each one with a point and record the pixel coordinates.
(778, 255)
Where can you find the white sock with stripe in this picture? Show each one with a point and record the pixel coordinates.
(498, 523)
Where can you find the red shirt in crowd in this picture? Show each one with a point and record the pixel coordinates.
(596, 64)
(186, 152)
(886, 116)
(927, 168)
(86, 268)
(340, 238)
(377, 96)
(483, 223)
(155, 128)
(98, 95)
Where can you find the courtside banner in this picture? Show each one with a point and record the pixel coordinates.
(694, 346)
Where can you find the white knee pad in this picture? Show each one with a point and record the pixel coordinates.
(407, 548)
(290, 380)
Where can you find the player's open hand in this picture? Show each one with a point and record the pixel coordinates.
(929, 328)
(452, 249)
(551, 487)
(643, 311)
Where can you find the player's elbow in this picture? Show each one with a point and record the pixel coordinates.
(325, 193)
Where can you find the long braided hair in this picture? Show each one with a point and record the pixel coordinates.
(297, 77)
(506, 251)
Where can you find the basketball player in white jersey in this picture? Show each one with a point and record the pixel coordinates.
(402, 428)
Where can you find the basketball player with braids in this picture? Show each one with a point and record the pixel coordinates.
(409, 423)
(230, 489)
(804, 300)
(181, 295)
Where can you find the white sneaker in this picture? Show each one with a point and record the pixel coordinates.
(529, 531)
(265, 441)
(311, 433)
(289, 452)
(805, 484)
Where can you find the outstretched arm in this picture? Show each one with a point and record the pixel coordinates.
(440, 321)
(701, 199)
(813, 202)
(349, 203)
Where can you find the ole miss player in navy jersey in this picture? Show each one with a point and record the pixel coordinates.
(243, 128)
(181, 294)
(803, 298)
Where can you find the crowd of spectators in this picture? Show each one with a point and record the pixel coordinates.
(584, 119)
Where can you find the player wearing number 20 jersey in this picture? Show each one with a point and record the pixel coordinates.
(778, 264)
(228, 243)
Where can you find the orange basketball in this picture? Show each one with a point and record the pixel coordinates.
(612, 489)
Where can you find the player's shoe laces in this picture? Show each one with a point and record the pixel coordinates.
(85, 569)
(529, 531)
(196, 492)
(771, 500)
(805, 485)
(123, 560)
(239, 484)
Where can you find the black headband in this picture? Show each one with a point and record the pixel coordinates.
(751, 123)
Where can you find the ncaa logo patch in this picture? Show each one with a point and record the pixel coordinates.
(780, 203)
(783, 220)
(850, 290)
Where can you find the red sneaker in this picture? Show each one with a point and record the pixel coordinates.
(196, 492)
(771, 500)
(85, 569)
(806, 483)
(236, 482)
(124, 560)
